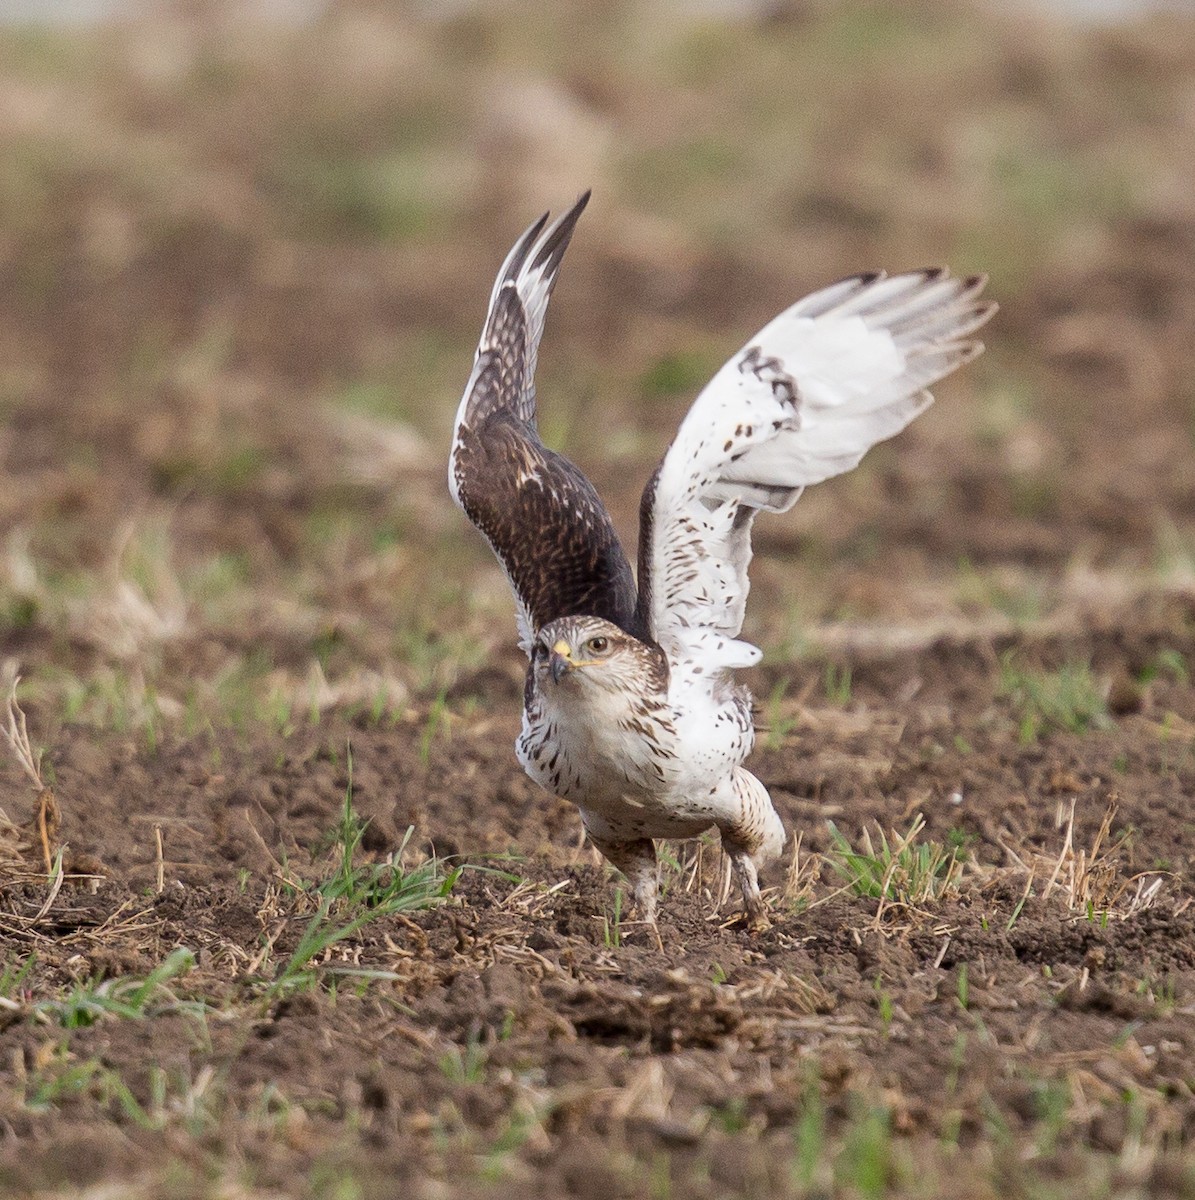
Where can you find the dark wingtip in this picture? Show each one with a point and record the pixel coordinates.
(552, 249)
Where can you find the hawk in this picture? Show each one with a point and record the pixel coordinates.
(631, 711)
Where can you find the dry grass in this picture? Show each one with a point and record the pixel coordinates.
(16, 844)
(1093, 881)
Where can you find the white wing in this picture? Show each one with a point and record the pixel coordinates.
(805, 399)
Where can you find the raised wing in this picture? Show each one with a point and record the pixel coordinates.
(541, 516)
(805, 399)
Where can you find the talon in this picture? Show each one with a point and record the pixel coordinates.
(757, 918)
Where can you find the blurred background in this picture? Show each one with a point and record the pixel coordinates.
(245, 251)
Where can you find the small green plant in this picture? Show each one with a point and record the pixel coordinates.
(13, 976)
(521, 1126)
(1176, 748)
(960, 840)
(277, 709)
(659, 1179)
(61, 1082)
(1166, 662)
(904, 870)
(174, 1095)
(1015, 916)
(465, 1064)
(612, 926)
(884, 1005)
(952, 1119)
(420, 888)
(838, 685)
(778, 723)
(1068, 699)
(383, 887)
(433, 725)
(116, 699)
(671, 869)
(1162, 993)
(352, 895)
(810, 1158)
(435, 654)
(981, 590)
(866, 1164)
(1052, 1099)
(382, 707)
(129, 997)
(731, 1117)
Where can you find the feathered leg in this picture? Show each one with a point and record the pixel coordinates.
(747, 874)
(755, 839)
(637, 861)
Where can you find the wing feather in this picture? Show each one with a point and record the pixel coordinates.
(541, 516)
(804, 400)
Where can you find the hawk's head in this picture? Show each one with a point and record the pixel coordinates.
(580, 653)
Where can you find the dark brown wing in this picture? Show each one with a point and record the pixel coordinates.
(546, 524)
(541, 516)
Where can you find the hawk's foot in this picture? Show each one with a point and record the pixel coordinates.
(756, 913)
(743, 865)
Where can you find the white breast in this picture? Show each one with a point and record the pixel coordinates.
(663, 769)
(586, 744)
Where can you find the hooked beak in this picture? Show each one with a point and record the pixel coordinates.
(560, 663)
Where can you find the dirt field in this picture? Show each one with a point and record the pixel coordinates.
(288, 919)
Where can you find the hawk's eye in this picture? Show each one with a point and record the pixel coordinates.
(598, 645)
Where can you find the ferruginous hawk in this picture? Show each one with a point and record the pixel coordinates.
(630, 708)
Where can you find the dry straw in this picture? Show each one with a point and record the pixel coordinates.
(14, 840)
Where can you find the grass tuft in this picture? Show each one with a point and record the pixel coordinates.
(903, 870)
(352, 895)
(612, 926)
(1068, 699)
(127, 996)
